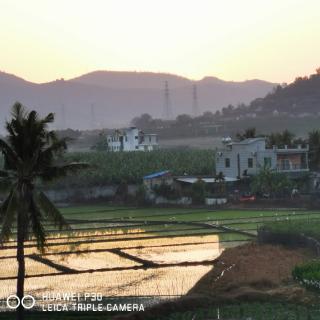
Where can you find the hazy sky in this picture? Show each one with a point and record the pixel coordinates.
(275, 40)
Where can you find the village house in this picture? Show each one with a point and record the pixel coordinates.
(248, 157)
(132, 139)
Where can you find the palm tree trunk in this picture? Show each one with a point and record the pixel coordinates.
(21, 264)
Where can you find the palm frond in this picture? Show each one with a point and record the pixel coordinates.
(10, 156)
(8, 212)
(48, 119)
(18, 111)
(6, 182)
(59, 171)
(36, 224)
(56, 146)
(49, 209)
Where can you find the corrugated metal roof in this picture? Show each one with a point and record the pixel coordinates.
(206, 180)
(156, 174)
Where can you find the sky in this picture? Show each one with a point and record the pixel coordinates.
(273, 40)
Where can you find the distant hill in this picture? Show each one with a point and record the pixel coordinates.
(298, 99)
(107, 98)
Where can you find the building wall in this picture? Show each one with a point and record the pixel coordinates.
(239, 155)
(132, 140)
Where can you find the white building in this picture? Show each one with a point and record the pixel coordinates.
(248, 157)
(132, 139)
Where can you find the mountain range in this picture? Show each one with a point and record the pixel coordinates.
(109, 98)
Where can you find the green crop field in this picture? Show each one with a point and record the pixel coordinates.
(115, 167)
(237, 218)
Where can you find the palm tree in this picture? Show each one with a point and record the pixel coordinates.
(32, 154)
(220, 180)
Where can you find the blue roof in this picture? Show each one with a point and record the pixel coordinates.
(156, 174)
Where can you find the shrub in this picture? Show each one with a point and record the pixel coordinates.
(198, 192)
(166, 191)
(308, 274)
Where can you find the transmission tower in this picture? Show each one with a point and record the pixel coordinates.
(63, 117)
(93, 117)
(167, 110)
(195, 106)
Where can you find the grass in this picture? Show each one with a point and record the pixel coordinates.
(180, 214)
(58, 315)
(256, 311)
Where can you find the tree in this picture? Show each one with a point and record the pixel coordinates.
(268, 181)
(31, 154)
(280, 139)
(142, 122)
(101, 143)
(183, 119)
(219, 179)
(314, 149)
(248, 133)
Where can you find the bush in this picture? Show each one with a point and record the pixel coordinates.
(296, 227)
(308, 274)
(198, 193)
(166, 191)
(141, 195)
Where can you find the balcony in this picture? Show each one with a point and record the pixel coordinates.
(290, 167)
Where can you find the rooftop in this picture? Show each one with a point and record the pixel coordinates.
(250, 140)
(156, 174)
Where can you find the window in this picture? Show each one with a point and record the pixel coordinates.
(137, 147)
(227, 162)
(136, 137)
(250, 163)
(267, 162)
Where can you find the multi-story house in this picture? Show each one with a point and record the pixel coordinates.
(132, 139)
(247, 157)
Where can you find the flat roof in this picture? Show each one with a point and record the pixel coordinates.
(250, 140)
(206, 180)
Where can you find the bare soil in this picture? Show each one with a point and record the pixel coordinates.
(250, 272)
(254, 271)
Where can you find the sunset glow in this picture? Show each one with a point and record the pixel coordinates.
(42, 40)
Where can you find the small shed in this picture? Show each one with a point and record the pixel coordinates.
(158, 178)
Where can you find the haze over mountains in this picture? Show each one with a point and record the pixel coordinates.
(109, 99)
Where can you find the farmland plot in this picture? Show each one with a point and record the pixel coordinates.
(133, 257)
